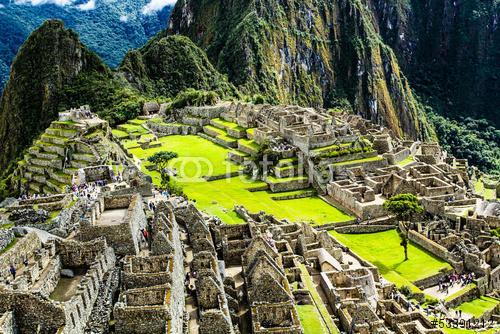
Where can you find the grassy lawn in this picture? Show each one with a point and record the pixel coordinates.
(351, 162)
(219, 197)
(228, 125)
(406, 161)
(319, 306)
(310, 319)
(478, 306)
(199, 157)
(383, 250)
(489, 194)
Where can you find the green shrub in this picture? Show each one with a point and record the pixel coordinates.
(406, 291)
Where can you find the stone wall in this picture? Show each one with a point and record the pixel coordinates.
(33, 313)
(124, 237)
(361, 229)
(7, 323)
(24, 248)
(97, 173)
(462, 298)
(6, 237)
(429, 245)
(432, 280)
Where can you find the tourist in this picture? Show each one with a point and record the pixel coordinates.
(13, 271)
(25, 262)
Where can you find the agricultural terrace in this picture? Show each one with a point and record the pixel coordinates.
(199, 158)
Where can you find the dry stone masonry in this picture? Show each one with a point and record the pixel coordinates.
(125, 258)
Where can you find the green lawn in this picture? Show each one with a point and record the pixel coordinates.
(310, 319)
(478, 306)
(382, 249)
(406, 161)
(351, 162)
(199, 157)
(228, 125)
(324, 319)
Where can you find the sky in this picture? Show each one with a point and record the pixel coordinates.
(150, 8)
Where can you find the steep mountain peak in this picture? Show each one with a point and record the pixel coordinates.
(51, 58)
(168, 65)
(312, 53)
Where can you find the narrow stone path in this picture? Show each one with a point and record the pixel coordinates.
(191, 306)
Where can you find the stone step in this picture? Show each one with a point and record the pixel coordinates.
(46, 155)
(66, 125)
(51, 148)
(85, 157)
(67, 133)
(48, 190)
(79, 163)
(54, 139)
(61, 177)
(237, 156)
(248, 146)
(56, 185)
(39, 178)
(35, 187)
(57, 164)
(35, 169)
(286, 171)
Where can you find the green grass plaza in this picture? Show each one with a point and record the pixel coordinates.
(199, 158)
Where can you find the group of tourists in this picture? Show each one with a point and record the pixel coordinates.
(89, 191)
(448, 281)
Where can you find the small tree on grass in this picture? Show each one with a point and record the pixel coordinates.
(404, 207)
(161, 159)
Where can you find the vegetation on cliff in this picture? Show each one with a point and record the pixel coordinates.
(310, 53)
(449, 50)
(472, 139)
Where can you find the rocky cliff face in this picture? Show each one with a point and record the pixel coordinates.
(50, 59)
(449, 49)
(312, 52)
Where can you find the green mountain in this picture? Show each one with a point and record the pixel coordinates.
(311, 52)
(169, 65)
(450, 51)
(111, 29)
(54, 71)
(51, 58)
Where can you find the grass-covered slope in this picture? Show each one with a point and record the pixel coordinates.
(314, 53)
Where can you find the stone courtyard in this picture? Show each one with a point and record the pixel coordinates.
(95, 246)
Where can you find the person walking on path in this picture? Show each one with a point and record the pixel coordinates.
(13, 271)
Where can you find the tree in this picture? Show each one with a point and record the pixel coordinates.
(404, 207)
(161, 160)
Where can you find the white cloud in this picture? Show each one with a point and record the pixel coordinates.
(44, 2)
(124, 18)
(156, 5)
(90, 5)
(1, 6)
